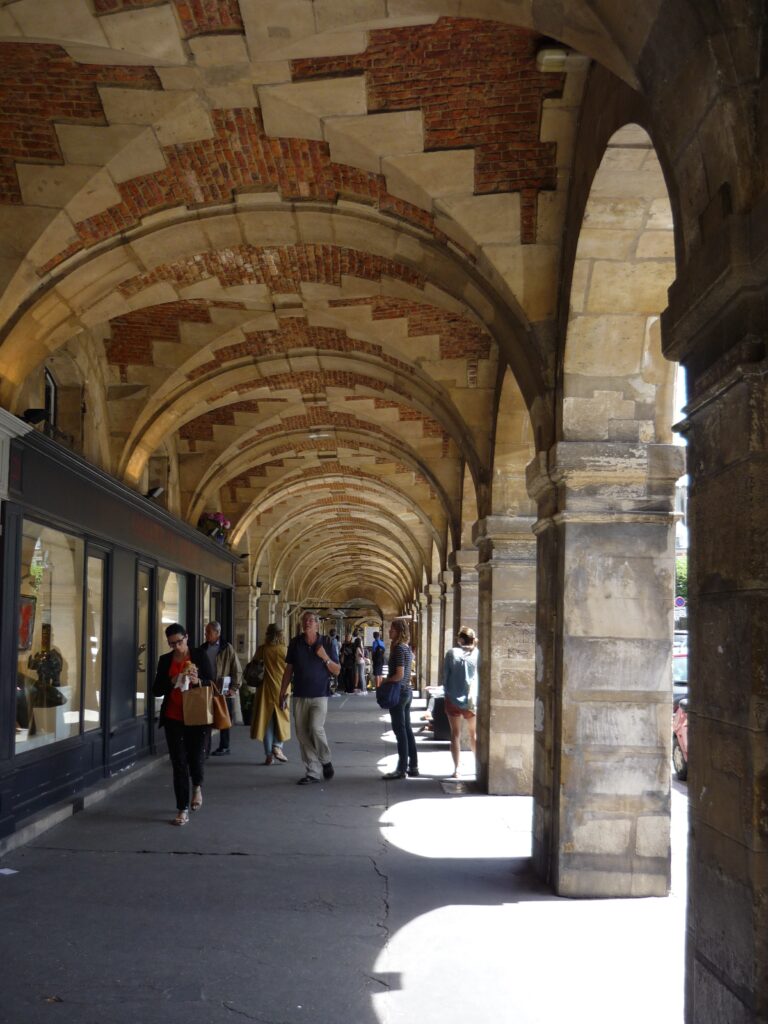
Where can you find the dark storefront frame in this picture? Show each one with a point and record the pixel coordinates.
(51, 486)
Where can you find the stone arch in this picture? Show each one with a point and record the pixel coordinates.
(605, 548)
(616, 384)
(514, 447)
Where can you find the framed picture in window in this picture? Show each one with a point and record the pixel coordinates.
(27, 605)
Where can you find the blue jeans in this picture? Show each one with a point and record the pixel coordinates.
(269, 736)
(407, 758)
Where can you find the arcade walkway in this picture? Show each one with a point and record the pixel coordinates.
(354, 902)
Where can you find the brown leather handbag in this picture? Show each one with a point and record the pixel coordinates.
(221, 719)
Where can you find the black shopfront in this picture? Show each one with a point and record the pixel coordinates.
(91, 574)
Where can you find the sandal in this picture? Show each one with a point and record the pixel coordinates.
(182, 818)
(197, 798)
(279, 755)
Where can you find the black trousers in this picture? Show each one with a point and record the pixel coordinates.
(186, 745)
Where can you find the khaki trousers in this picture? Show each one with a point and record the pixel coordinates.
(309, 721)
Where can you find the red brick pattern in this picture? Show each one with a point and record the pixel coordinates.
(132, 336)
(318, 417)
(134, 333)
(241, 158)
(292, 334)
(460, 338)
(476, 84)
(282, 268)
(41, 85)
(309, 383)
(197, 17)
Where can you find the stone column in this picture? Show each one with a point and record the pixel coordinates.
(449, 629)
(464, 564)
(727, 971)
(603, 672)
(434, 593)
(243, 618)
(422, 654)
(506, 631)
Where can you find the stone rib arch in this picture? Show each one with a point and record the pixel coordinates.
(66, 304)
(298, 574)
(513, 449)
(301, 578)
(391, 528)
(359, 376)
(616, 384)
(232, 463)
(333, 479)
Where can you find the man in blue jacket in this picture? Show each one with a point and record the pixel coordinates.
(309, 663)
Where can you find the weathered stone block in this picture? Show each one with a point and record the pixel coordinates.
(653, 836)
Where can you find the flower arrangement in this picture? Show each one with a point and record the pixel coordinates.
(215, 524)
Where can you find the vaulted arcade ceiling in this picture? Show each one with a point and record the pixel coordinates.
(287, 252)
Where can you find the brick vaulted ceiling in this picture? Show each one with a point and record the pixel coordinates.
(289, 254)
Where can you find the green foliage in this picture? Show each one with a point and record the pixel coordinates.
(681, 576)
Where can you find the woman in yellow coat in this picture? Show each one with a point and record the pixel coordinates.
(270, 722)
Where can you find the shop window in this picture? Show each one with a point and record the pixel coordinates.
(171, 607)
(211, 606)
(50, 634)
(94, 643)
(143, 668)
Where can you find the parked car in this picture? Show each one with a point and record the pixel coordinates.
(680, 714)
(680, 738)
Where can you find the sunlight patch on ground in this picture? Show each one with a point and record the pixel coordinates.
(471, 827)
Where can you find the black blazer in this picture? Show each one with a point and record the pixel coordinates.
(162, 685)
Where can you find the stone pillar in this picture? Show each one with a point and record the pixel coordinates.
(422, 652)
(464, 563)
(243, 625)
(727, 970)
(603, 670)
(506, 631)
(449, 629)
(434, 593)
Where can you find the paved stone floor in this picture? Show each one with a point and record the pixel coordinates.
(352, 902)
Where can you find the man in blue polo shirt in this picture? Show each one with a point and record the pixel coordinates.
(309, 662)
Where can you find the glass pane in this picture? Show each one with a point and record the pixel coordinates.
(143, 594)
(205, 608)
(171, 607)
(94, 642)
(50, 637)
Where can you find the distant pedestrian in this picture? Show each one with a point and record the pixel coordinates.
(460, 684)
(377, 659)
(359, 665)
(399, 670)
(309, 663)
(219, 664)
(271, 722)
(334, 645)
(347, 662)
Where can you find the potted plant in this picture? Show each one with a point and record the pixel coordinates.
(215, 525)
(246, 703)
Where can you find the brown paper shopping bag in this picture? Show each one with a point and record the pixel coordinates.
(197, 706)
